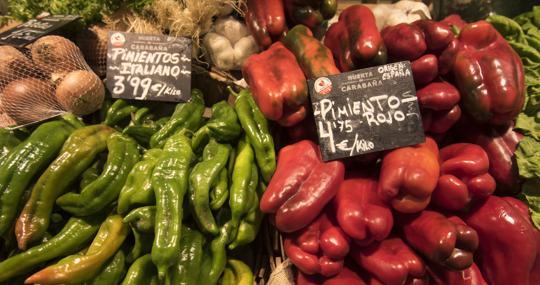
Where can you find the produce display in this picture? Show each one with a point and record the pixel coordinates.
(441, 212)
(96, 190)
(135, 196)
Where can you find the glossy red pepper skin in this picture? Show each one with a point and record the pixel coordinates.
(348, 276)
(320, 248)
(425, 69)
(454, 20)
(442, 276)
(278, 84)
(266, 21)
(464, 177)
(391, 261)
(409, 175)
(500, 145)
(354, 40)
(310, 13)
(439, 105)
(489, 75)
(301, 187)
(445, 241)
(508, 250)
(404, 42)
(436, 35)
(360, 212)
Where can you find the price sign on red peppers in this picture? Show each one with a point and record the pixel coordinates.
(149, 67)
(366, 110)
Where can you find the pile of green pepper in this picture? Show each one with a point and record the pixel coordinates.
(138, 197)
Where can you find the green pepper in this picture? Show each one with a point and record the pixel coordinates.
(224, 125)
(237, 273)
(186, 116)
(215, 256)
(220, 191)
(137, 190)
(90, 174)
(202, 177)
(98, 195)
(186, 271)
(142, 272)
(75, 235)
(244, 181)
(256, 127)
(250, 225)
(170, 183)
(142, 244)
(24, 162)
(112, 273)
(80, 268)
(142, 126)
(141, 134)
(76, 155)
(8, 141)
(119, 111)
(200, 138)
(142, 219)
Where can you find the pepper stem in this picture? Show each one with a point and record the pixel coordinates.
(455, 30)
(234, 93)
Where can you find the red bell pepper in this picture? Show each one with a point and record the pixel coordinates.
(391, 261)
(437, 35)
(454, 20)
(350, 275)
(310, 13)
(500, 145)
(442, 276)
(404, 42)
(360, 212)
(409, 175)
(489, 75)
(425, 69)
(314, 58)
(266, 21)
(464, 176)
(320, 248)
(354, 40)
(278, 84)
(439, 105)
(301, 187)
(444, 241)
(509, 243)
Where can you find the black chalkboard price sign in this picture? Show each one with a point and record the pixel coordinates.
(149, 67)
(366, 110)
(34, 29)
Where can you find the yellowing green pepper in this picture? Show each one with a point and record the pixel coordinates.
(76, 156)
(98, 195)
(80, 268)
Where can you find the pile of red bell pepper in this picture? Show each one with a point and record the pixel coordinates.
(433, 213)
(420, 216)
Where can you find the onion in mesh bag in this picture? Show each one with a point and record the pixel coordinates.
(13, 65)
(80, 92)
(28, 100)
(57, 55)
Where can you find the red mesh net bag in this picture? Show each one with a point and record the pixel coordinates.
(46, 79)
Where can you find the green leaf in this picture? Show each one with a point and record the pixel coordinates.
(528, 158)
(531, 192)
